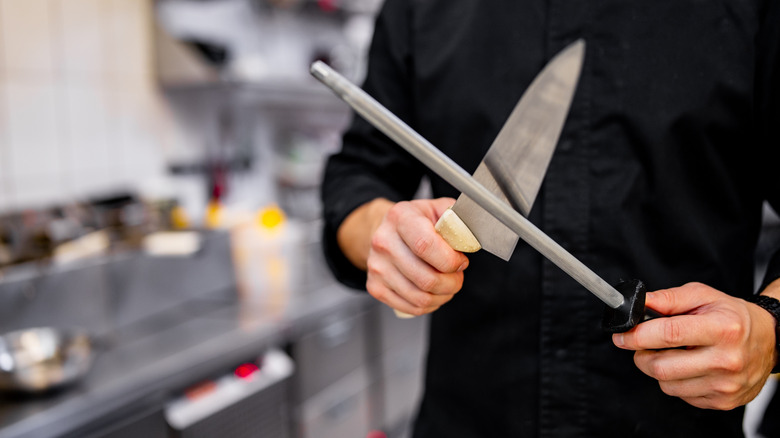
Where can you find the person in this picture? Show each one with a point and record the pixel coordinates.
(661, 171)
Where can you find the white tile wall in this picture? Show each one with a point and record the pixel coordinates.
(4, 172)
(138, 139)
(127, 36)
(33, 154)
(87, 159)
(27, 38)
(33, 130)
(80, 112)
(79, 46)
(2, 48)
(35, 192)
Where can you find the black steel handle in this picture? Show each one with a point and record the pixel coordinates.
(633, 310)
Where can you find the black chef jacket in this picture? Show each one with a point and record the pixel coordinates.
(668, 153)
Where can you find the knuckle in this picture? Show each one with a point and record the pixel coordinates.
(639, 337)
(379, 243)
(374, 270)
(423, 300)
(375, 291)
(659, 372)
(733, 363)
(672, 332)
(454, 261)
(397, 210)
(422, 245)
(731, 331)
(727, 388)
(668, 296)
(428, 283)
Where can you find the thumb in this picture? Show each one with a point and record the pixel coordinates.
(440, 205)
(680, 300)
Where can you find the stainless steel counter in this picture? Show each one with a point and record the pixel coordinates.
(171, 343)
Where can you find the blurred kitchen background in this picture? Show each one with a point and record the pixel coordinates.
(159, 224)
(160, 270)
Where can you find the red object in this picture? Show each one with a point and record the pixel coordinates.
(376, 434)
(327, 5)
(246, 370)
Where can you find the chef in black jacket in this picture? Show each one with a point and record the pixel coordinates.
(668, 153)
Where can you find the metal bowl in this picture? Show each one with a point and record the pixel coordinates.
(39, 359)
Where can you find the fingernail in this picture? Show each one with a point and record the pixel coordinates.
(617, 338)
(463, 266)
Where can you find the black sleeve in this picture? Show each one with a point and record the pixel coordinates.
(768, 113)
(370, 165)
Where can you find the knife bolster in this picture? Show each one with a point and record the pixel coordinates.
(631, 312)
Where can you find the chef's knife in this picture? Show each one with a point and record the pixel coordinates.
(627, 304)
(514, 166)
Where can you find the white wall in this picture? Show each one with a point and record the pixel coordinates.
(80, 112)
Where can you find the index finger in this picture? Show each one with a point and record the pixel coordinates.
(428, 245)
(670, 332)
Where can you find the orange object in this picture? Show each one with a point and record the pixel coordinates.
(200, 390)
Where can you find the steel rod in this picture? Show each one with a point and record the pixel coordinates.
(434, 159)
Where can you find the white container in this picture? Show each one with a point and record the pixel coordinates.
(268, 254)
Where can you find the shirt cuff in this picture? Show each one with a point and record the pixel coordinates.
(772, 271)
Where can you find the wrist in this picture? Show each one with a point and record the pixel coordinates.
(354, 233)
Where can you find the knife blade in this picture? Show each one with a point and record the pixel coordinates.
(515, 164)
(627, 304)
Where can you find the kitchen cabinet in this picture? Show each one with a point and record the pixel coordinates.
(147, 422)
(331, 386)
(400, 363)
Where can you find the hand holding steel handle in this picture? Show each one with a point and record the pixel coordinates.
(435, 160)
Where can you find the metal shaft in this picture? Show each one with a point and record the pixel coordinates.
(434, 159)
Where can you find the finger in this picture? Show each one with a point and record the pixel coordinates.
(398, 292)
(703, 386)
(409, 291)
(709, 392)
(418, 271)
(708, 402)
(424, 242)
(428, 279)
(390, 271)
(440, 205)
(672, 332)
(384, 294)
(670, 365)
(686, 388)
(683, 299)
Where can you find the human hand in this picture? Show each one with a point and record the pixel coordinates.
(410, 267)
(715, 353)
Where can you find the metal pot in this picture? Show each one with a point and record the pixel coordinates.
(38, 359)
